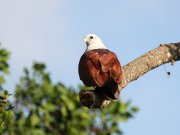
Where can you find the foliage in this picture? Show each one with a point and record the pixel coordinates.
(5, 105)
(4, 66)
(44, 108)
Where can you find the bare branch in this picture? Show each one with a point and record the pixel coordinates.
(165, 53)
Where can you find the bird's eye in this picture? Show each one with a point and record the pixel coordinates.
(91, 37)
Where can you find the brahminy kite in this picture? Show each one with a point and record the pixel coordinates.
(100, 67)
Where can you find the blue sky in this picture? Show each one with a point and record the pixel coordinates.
(52, 32)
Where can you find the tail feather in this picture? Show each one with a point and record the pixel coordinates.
(111, 89)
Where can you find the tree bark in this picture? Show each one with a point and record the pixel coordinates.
(165, 53)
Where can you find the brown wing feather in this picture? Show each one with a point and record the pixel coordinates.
(110, 63)
(97, 66)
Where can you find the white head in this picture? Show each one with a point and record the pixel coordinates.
(93, 42)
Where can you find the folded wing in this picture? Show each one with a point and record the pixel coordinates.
(97, 67)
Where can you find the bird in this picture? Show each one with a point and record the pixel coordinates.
(100, 68)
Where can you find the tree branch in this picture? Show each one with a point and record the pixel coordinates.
(165, 53)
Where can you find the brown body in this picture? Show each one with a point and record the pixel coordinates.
(100, 68)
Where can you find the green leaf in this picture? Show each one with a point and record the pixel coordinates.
(34, 119)
(134, 109)
(2, 81)
(6, 93)
(49, 106)
(64, 111)
(5, 115)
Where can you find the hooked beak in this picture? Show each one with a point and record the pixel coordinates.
(86, 41)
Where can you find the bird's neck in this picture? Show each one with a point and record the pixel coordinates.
(95, 46)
